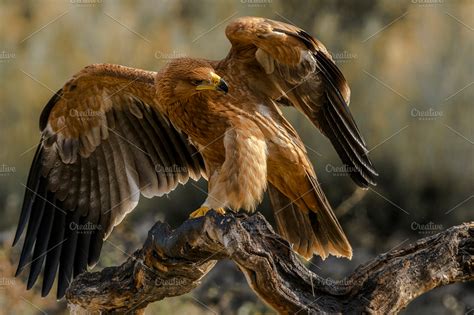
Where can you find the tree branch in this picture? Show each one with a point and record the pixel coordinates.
(171, 263)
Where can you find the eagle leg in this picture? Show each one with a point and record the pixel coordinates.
(203, 210)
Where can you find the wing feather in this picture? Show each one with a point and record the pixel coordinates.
(144, 161)
(41, 244)
(31, 187)
(55, 245)
(68, 251)
(33, 225)
(109, 195)
(305, 76)
(103, 140)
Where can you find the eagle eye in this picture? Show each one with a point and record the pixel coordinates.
(197, 82)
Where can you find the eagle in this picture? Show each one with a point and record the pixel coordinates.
(113, 133)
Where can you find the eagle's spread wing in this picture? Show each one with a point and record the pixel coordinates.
(104, 142)
(303, 74)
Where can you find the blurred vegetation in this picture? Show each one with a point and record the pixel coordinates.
(410, 68)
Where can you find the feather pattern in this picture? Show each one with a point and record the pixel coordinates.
(103, 142)
(310, 81)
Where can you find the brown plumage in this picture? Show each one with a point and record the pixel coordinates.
(112, 133)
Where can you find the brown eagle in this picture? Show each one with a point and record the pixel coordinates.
(112, 133)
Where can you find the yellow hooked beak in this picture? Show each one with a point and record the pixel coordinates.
(216, 83)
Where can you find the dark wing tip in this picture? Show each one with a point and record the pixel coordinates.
(31, 184)
(340, 127)
(357, 164)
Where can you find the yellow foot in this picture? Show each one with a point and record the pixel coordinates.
(203, 210)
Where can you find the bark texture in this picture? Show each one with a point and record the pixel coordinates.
(172, 263)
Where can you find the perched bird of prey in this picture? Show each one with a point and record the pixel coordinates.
(112, 133)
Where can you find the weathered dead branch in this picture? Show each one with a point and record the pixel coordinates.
(172, 263)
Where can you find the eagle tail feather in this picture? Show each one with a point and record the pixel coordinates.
(309, 224)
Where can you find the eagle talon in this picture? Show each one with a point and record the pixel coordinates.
(220, 211)
(204, 210)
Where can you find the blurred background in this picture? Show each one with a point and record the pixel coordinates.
(410, 67)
